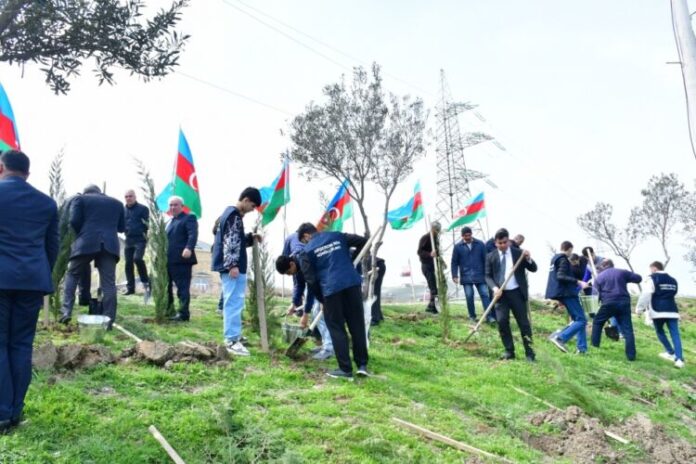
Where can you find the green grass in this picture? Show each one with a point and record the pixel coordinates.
(271, 409)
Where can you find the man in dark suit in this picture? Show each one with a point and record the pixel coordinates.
(137, 218)
(182, 232)
(28, 251)
(515, 294)
(84, 284)
(96, 219)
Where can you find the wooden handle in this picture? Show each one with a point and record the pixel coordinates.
(165, 444)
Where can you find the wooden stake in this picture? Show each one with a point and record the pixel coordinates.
(448, 441)
(131, 335)
(260, 300)
(165, 444)
(47, 311)
(616, 437)
(519, 390)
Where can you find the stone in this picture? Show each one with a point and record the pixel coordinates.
(69, 356)
(44, 356)
(155, 352)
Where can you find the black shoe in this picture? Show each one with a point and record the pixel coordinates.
(374, 323)
(431, 310)
(16, 421)
(5, 427)
(179, 318)
(612, 333)
(82, 302)
(507, 356)
(362, 372)
(339, 374)
(129, 292)
(64, 319)
(531, 358)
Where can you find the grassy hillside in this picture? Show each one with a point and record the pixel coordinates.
(271, 409)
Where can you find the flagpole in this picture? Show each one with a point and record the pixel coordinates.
(285, 209)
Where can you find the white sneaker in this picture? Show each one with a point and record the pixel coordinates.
(666, 356)
(236, 348)
(678, 363)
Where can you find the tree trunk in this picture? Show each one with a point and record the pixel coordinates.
(260, 297)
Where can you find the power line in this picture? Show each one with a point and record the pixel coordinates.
(318, 41)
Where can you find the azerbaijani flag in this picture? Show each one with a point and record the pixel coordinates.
(475, 209)
(184, 183)
(340, 208)
(275, 196)
(404, 217)
(9, 138)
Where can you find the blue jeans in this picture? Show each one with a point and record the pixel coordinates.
(482, 290)
(326, 343)
(673, 326)
(622, 313)
(579, 324)
(19, 311)
(233, 303)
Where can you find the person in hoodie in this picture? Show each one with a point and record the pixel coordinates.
(230, 260)
(562, 286)
(612, 285)
(658, 300)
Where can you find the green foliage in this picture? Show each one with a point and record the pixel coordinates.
(157, 248)
(66, 234)
(60, 35)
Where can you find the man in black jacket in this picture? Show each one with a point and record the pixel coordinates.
(515, 294)
(84, 283)
(182, 235)
(96, 219)
(563, 287)
(137, 223)
(427, 256)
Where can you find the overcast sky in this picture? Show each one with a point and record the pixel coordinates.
(579, 94)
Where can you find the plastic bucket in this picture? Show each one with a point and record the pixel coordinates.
(290, 331)
(92, 327)
(590, 303)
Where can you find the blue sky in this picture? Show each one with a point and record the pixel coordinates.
(579, 93)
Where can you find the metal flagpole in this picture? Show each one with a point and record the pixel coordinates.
(286, 167)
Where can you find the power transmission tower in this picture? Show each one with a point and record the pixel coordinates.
(453, 177)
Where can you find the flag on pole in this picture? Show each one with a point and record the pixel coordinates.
(9, 137)
(340, 208)
(275, 196)
(475, 209)
(404, 217)
(184, 183)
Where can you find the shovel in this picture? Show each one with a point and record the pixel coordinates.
(295, 346)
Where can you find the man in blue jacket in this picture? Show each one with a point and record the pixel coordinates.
(468, 268)
(612, 285)
(96, 219)
(137, 218)
(182, 237)
(328, 269)
(230, 260)
(28, 251)
(562, 286)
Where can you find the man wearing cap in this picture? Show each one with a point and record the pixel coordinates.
(230, 260)
(28, 251)
(96, 219)
(427, 256)
(182, 236)
(468, 268)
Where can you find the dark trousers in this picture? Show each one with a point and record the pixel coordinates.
(377, 305)
(84, 285)
(512, 300)
(428, 270)
(106, 265)
(19, 312)
(134, 253)
(622, 313)
(346, 307)
(180, 275)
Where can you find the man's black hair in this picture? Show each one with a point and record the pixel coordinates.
(466, 230)
(658, 265)
(586, 251)
(283, 264)
(253, 194)
(565, 246)
(501, 234)
(306, 228)
(15, 161)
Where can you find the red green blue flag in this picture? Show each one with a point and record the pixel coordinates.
(405, 216)
(184, 183)
(340, 208)
(275, 196)
(9, 137)
(475, 209)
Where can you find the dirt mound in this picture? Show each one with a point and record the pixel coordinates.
(163, 354)
(582, 438)
(71, 356)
